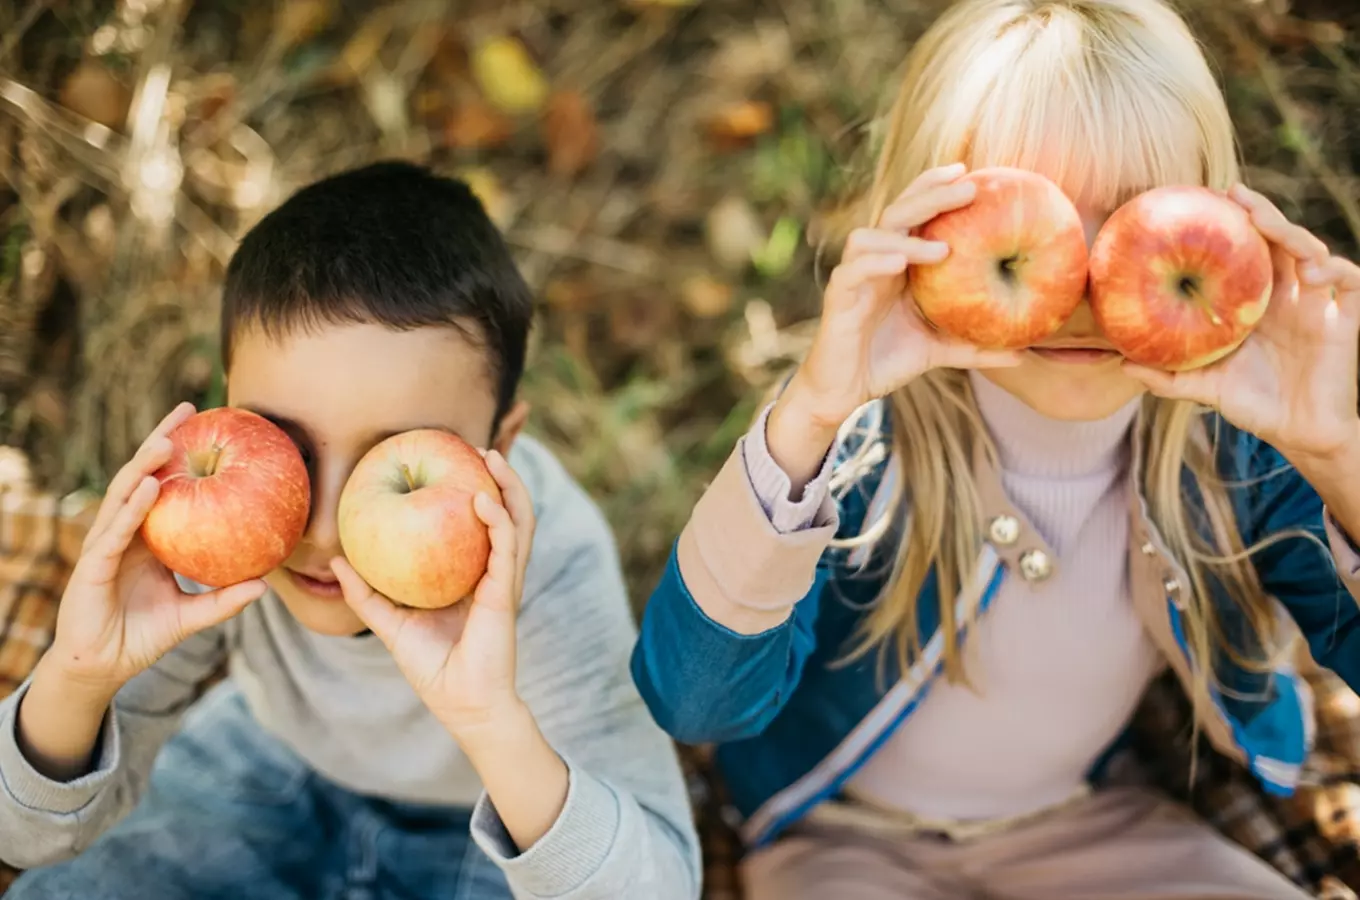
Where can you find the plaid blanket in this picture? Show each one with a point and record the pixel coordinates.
(1312, 837)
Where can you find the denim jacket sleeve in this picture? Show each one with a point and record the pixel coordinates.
(1317, 579)
(726, 633)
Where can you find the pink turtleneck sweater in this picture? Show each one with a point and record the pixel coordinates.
(1058, 668)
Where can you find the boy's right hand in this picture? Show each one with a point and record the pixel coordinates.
(871, 339)
(122, 609)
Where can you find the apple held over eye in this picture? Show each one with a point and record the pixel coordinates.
(407, 525)
(1179, 278)
(1016, 269)
(234, 498)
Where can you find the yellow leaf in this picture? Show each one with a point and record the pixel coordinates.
(508, 76)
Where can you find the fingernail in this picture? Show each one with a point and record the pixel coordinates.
(955, 167)
(936, 249)
(1311, 273)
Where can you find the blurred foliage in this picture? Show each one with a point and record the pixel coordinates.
(661, 168)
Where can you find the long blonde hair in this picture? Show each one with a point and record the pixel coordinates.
(1108, 98)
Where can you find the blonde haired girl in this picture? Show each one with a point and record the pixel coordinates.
(919, 604)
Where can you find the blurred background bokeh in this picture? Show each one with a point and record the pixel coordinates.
(664, 170)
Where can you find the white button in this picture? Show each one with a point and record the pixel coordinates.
(1171, 585)
(1148, 548)
(1035, 565)
(1005, 530)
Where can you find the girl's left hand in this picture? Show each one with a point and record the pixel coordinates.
(1292, 383)
(461, 659)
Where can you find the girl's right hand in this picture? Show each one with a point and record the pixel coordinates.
(871, 339)
(122, 609)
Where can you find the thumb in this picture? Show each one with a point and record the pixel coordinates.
(1199, 385)
(201, 611)
(380, 614)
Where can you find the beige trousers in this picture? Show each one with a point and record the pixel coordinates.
(1117, 844)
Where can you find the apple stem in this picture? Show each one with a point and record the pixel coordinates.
(204, 465)
(410, 479)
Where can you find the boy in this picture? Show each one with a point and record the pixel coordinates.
(359, 749)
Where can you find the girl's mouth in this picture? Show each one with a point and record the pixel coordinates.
(1076, 356)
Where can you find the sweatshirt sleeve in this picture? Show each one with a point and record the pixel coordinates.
(626, 829)
(44, 821)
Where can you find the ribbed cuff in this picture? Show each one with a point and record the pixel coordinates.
(33, 790)
(570, 854)
(741, 572)
(774, 488)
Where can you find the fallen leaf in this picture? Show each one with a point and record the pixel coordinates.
(508, 76)
(738, 124)
(706, 297)
(94, 92)
(475, 124)
(487, 187)
(297, 20)
(570, 132)
(733, 233)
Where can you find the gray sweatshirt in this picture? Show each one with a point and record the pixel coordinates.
(626, 829)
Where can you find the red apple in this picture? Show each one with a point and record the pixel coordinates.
(1179, 277)
(1016, 269)
(234, 498)
(406, 519)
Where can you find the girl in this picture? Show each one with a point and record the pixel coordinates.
(920, 603)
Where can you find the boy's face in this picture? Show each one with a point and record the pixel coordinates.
(339, 389)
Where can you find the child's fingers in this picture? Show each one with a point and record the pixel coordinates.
(932, 178)
(380, 614)
(515, 497)
(107, 552)
(914, 209)
(847, 281)
(1276, 227)
(955, 354)
(201, 611)
(878, 242)
(154, 453)
(497, 587)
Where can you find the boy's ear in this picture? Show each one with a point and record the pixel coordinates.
(512, 423)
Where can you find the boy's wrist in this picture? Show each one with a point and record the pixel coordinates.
(503, 725)
(80, 691)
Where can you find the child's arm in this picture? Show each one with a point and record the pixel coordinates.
(78, 738)
(584, 798)
(98, 750)
(726, 633)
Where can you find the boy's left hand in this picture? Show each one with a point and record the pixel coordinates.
(461, 659)
(1292, 383)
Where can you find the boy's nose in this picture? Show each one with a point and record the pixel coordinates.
(323, 531)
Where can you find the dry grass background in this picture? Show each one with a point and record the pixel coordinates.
(658, 166)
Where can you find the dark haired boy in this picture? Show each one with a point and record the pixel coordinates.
(359, 749)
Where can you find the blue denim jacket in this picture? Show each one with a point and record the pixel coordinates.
(793, 722)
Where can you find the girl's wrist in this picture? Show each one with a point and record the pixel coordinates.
(799, 432)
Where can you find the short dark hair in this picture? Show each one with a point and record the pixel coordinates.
(389, 243)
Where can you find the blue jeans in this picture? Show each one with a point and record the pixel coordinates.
(230, 812)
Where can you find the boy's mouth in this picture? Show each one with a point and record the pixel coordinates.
(318, 584)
